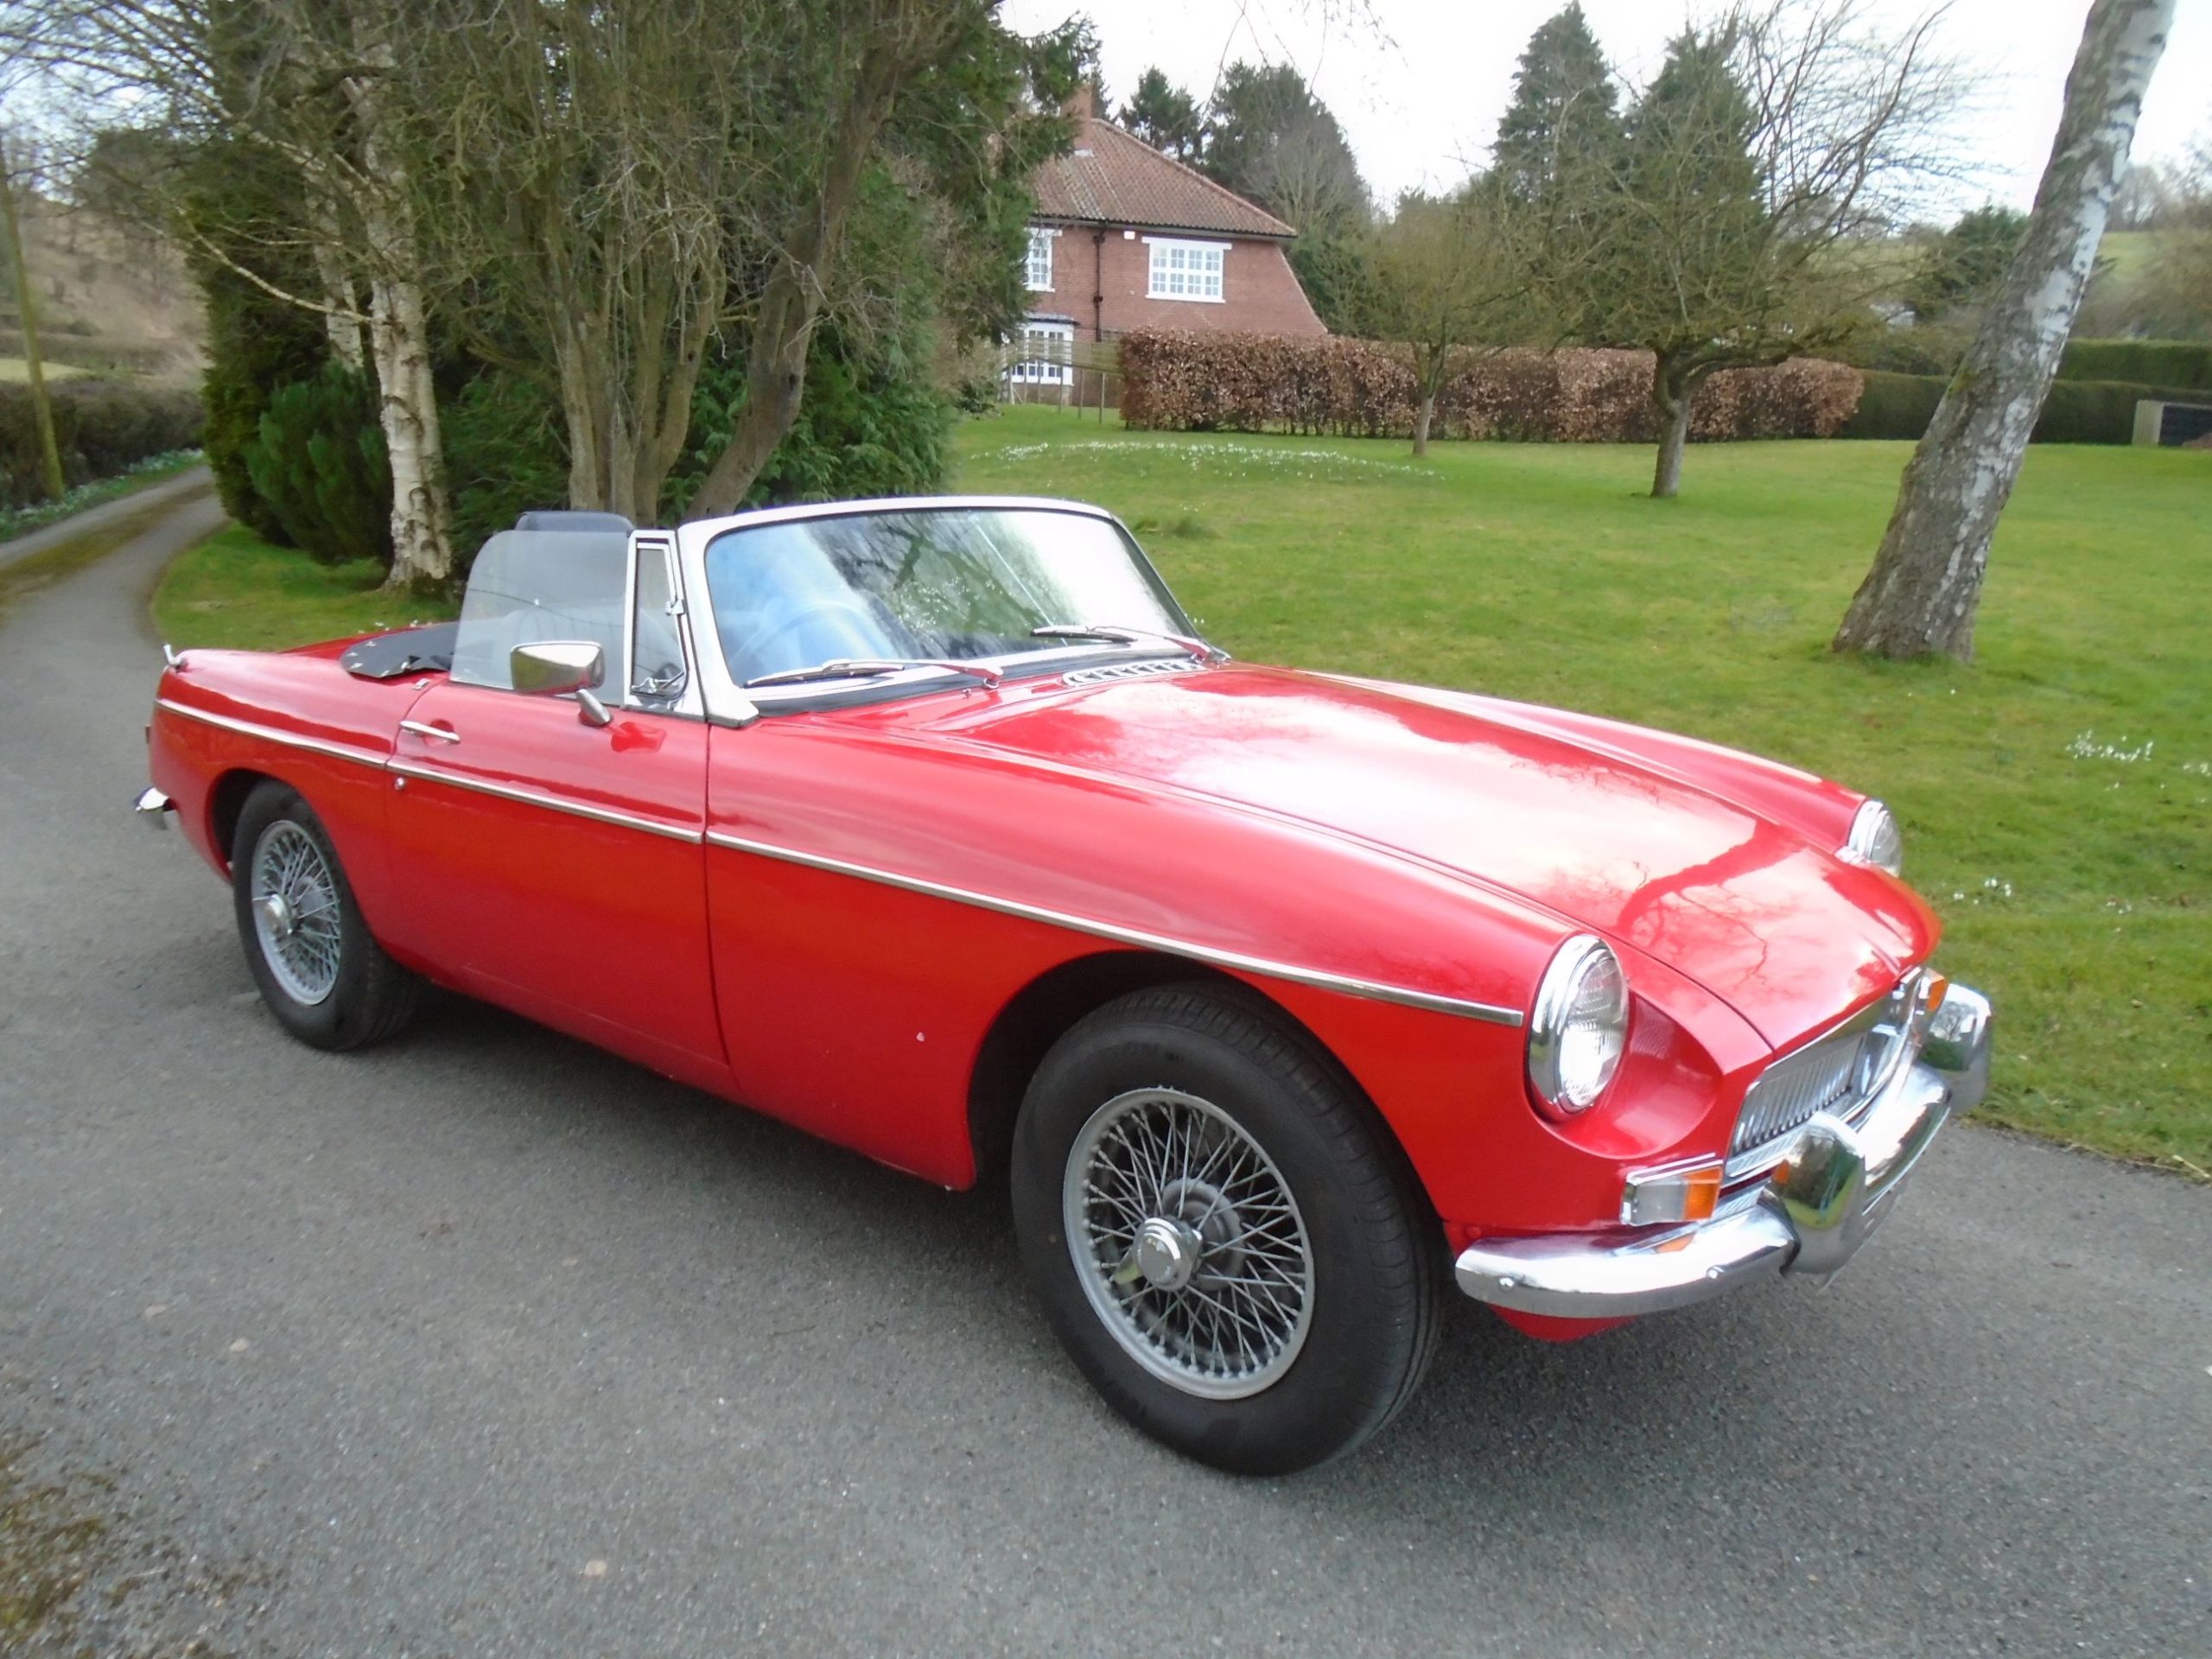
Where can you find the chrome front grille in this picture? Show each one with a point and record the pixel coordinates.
(1839, 1072)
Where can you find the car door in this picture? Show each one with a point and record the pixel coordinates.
(555, 865)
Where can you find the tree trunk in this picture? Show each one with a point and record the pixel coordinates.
(1670, 400)
(342, 321)
(1920, 597)
(408, 411)
(1422, 423)
(49, 451)
(775, 377)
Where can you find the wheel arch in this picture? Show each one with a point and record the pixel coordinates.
(1043, 1011)
(226, 799)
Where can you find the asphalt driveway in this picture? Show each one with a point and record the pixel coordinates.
(486, 1343)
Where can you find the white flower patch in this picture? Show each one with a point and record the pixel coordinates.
(1230, 456)
(2086, 747)
(2201, 768)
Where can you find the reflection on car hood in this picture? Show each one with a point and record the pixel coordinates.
(1763, 917)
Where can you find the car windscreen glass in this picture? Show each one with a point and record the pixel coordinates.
(528, 586)
(945, 583)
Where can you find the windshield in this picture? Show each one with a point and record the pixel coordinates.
(942, 583)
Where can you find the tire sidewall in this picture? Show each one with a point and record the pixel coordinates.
(1330, 1394)
(332, 1022)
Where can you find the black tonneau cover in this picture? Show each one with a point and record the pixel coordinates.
(409, 650)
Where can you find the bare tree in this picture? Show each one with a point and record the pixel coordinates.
(315, 84)
(855, 71)
(1738, 218)
(1921, 597)
(585, 168)
(1445, 279)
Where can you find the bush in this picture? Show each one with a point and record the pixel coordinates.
(255, 344)
(2171, 363)
(2078, 411)
(102, 428)
(318, 462)
(1357, 388)
(506, 451)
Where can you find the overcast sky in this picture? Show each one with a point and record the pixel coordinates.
(1423, 106)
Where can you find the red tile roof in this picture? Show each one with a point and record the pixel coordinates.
(1112, 178)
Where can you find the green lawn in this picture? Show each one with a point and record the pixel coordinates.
(2056, 795)
(235, 589)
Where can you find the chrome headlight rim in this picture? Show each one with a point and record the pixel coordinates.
(1550, 1015)
(1876, 840)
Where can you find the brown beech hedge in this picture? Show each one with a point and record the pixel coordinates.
(1334, 387)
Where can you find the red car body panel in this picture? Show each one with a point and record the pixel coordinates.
(833, 909)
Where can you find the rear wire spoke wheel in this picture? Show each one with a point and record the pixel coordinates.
(296, 913)
(1224, 1235)
(309, 949)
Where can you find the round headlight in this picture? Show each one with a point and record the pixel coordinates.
(1579, 1025)
(1876, 840)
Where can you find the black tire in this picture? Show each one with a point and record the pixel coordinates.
(371, 997)
(1374, 1250)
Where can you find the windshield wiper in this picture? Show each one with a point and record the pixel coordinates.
(873, 668)
(1113, 633)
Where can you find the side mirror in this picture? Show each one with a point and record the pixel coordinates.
(562, 668)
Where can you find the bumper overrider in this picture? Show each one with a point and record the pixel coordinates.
(1809, 1217)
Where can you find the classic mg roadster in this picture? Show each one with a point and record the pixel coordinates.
(1280, 1002)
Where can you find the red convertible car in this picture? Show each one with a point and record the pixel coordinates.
(1281, 1001)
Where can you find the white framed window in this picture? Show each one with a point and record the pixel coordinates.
(1185, 270)
(1040, 259)
(1046, 355)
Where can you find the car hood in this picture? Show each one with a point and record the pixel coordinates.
(1763, 917)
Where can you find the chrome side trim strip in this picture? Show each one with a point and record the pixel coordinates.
(1231, 959)
(271, 734)
(550, 803)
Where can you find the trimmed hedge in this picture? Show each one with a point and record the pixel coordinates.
(2170, 363)
(2078, 411)
(1336, 387)
(102, 428)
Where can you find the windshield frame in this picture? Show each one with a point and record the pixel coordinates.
(729, 703)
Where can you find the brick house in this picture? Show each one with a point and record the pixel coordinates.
(1126, 238)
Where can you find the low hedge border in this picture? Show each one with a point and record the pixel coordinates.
(1176, 380)
(2076, 411)
(102, 427)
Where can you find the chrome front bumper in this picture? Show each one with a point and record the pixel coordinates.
(153, 808)
(1809, 1217)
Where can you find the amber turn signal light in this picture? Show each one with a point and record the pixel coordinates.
(1932, 991)
(1684, 1193)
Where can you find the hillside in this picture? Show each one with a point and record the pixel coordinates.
(109, 296)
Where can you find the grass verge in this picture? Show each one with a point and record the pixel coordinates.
(234, 590)
(20, 521)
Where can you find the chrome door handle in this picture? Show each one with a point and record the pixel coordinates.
(443, 734)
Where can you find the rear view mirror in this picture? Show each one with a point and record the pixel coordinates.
(561, 668)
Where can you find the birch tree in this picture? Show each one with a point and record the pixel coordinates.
(1921, 597)
(317, 85)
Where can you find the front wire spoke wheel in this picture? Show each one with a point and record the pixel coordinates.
(296, 916)
(1188, 1243)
